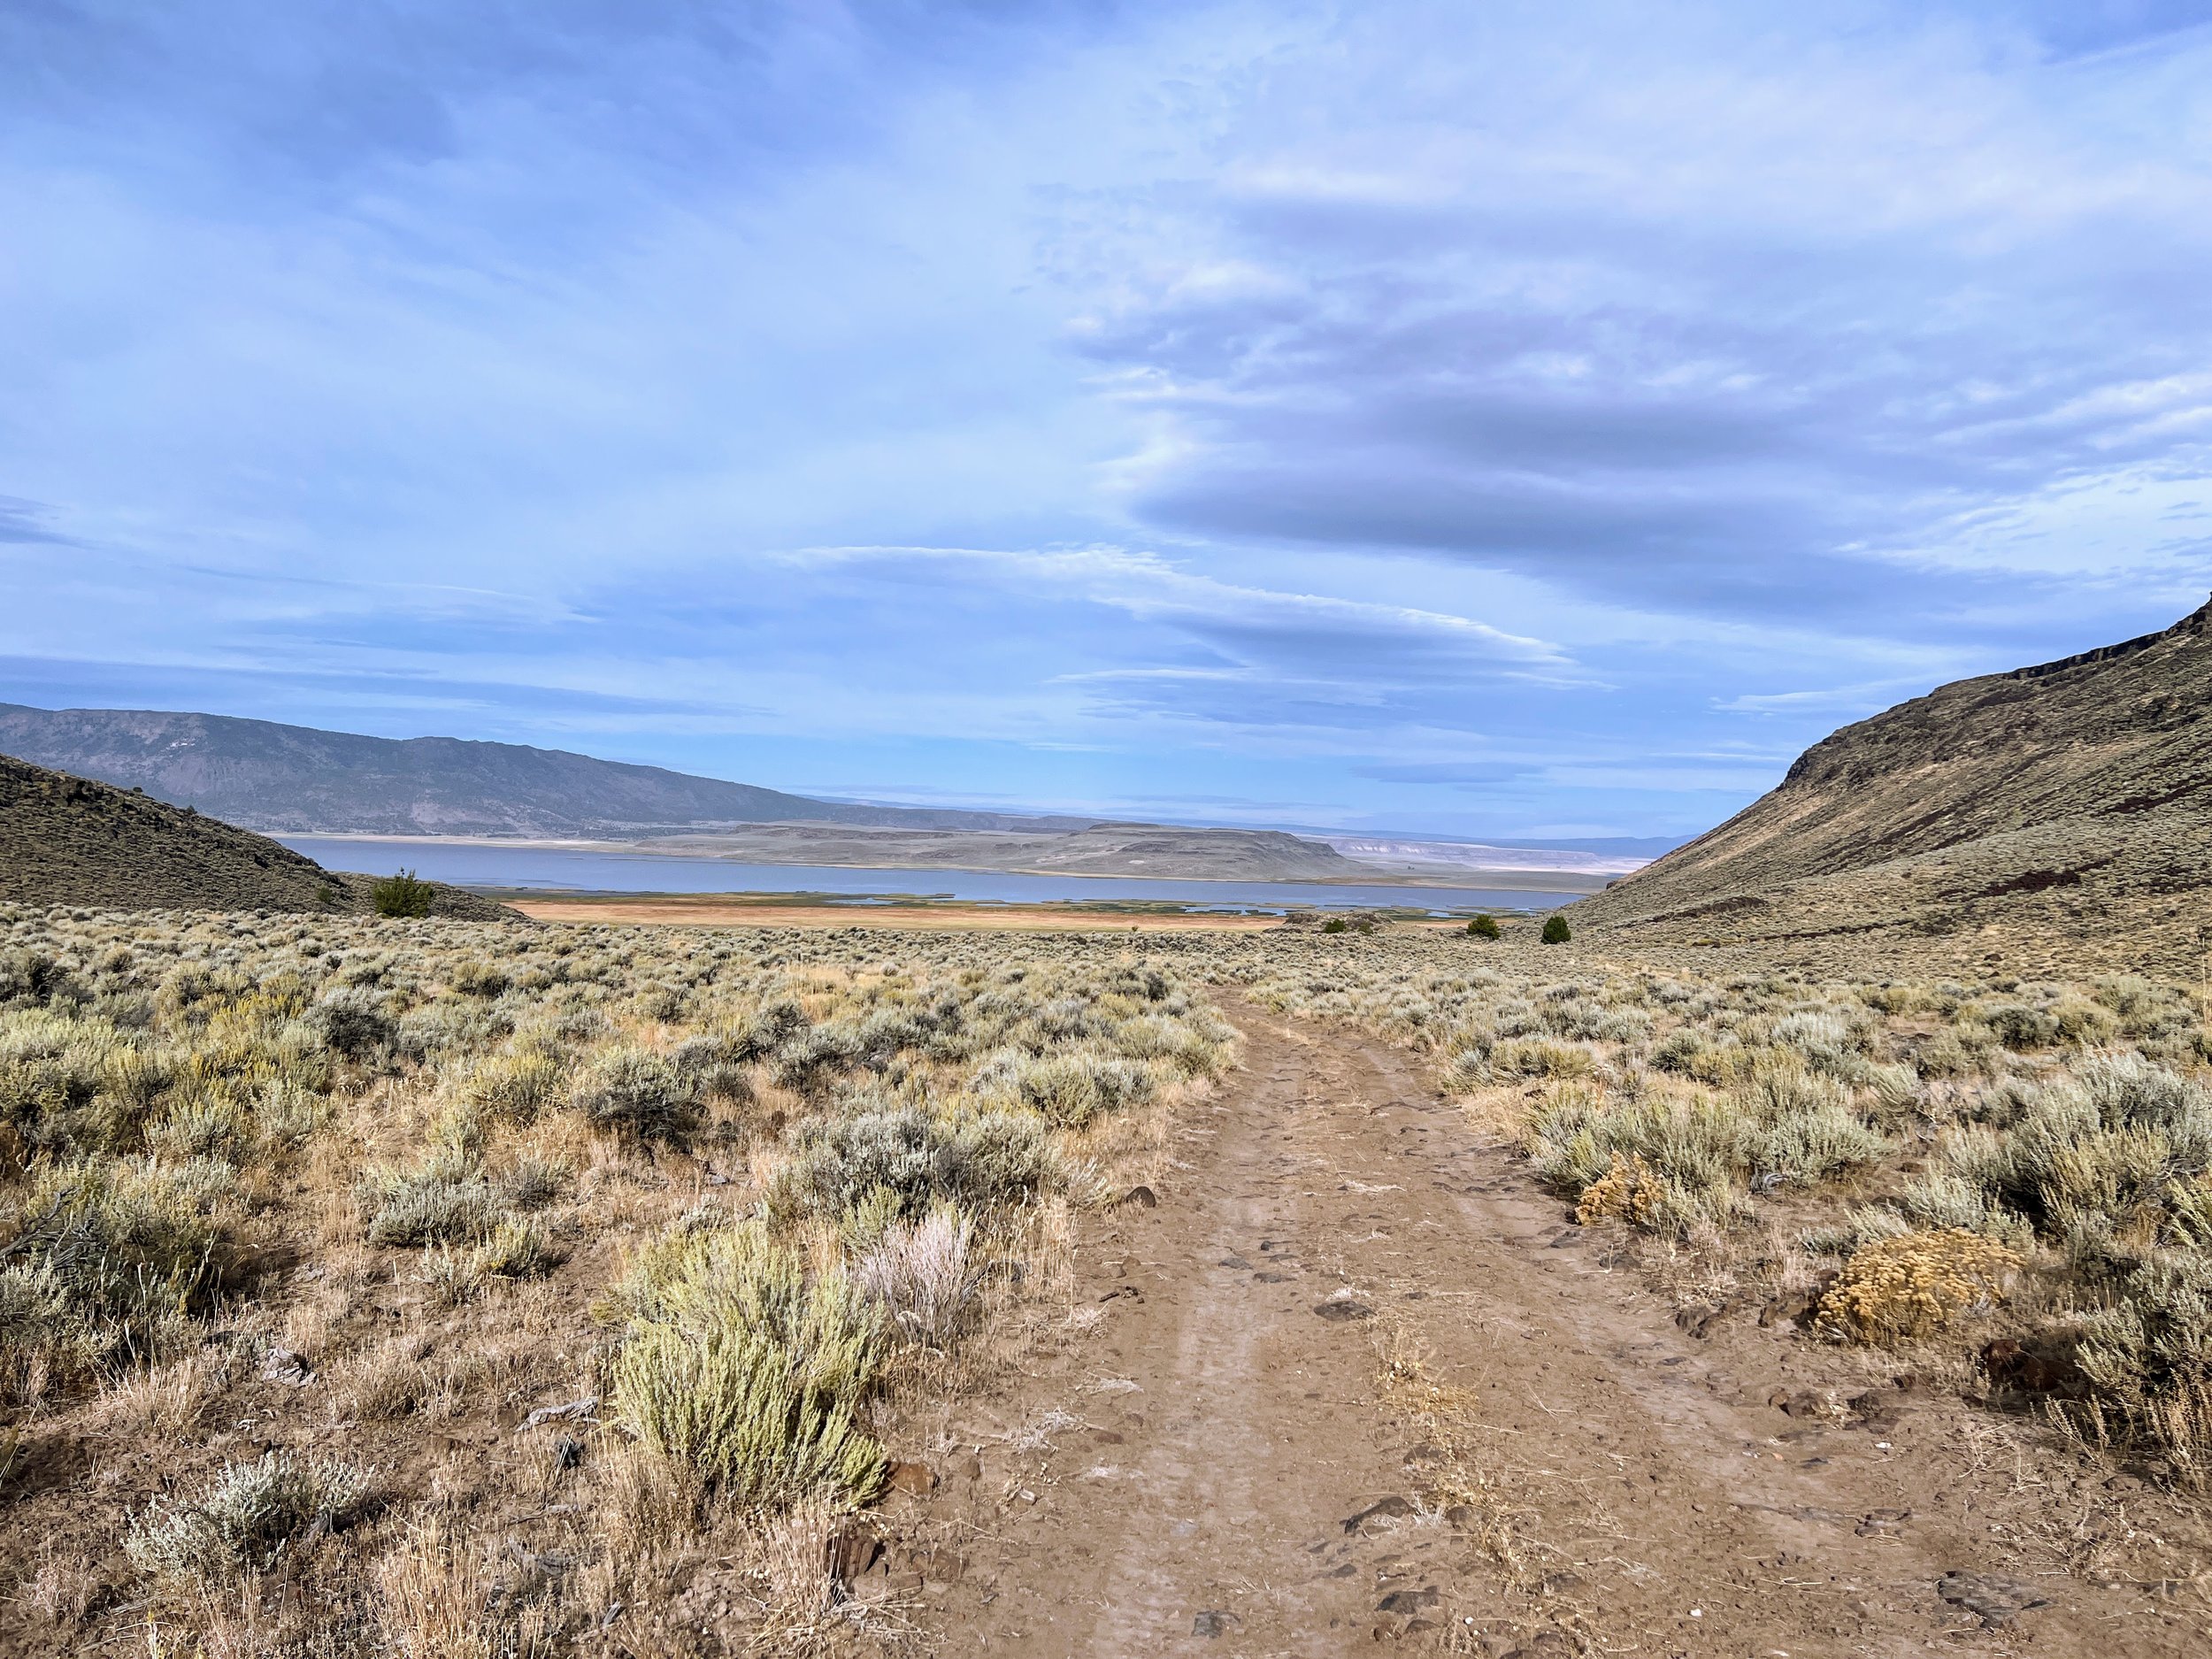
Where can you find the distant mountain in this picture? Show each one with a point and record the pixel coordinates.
(1418, 854)
(69, 841)
(296, 779)
(2072, 801)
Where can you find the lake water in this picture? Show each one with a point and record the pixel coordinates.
(472, 864)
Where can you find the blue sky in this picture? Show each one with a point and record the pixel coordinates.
(1509, 419)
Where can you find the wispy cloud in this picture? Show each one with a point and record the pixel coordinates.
(1409, 414)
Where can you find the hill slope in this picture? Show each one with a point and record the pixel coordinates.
(296, 778)
(2068, 802)
(70, 841)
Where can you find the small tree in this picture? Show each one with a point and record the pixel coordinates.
(1334, 925)
(1555, 930)
(1482, 927)
(402, 895)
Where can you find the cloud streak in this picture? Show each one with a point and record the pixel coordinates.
(1409, 413)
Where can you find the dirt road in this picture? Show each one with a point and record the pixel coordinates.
(1226, 1460)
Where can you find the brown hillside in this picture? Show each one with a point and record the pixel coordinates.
(2068, 806)
(69, 841)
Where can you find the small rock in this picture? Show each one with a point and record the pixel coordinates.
(1211, 1624)
(1996, 1600)
(1271, 1279)
(1143, 1197)
(1697, 1322)
(1794, 1308)
(851, 1550)
(1410, 1602)
(939, 1565)
(1882, 1522)
(1390, 1508)
(916, 1481)
(1343, 1306)
(281, 1364)
(572, 1411)
(1237, 1262)
(567, 1452)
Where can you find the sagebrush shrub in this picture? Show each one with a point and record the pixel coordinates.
(639, 1092)
(739, 1366)
(242, 1518)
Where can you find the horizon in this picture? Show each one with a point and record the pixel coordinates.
(1388, 422)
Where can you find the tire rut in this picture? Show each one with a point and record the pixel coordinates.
(1186, 1473)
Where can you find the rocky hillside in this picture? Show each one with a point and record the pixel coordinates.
(70, 841)
(2070, 804)
(296, 779)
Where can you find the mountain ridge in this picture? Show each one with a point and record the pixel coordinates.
(2067, 801)
(268, 776)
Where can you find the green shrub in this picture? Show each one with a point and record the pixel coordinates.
(45, 1338)
(401, 895)
(1484, 927)
(1539, 1056)
(1555, 930)
(738, 1367)
(714, 1063)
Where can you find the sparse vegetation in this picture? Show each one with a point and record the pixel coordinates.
(747, 1195)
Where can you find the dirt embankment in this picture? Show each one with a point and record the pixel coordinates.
(1353, 1379)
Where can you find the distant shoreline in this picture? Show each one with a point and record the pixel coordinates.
(1509, 880)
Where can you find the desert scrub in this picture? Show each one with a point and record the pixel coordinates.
(747, 1372)
(242, 1518)
(1910, 1285)
(1668, 1162)
(925, 1277)
(1068, 1089)
(107, 1260)
(912, 1158)
(447, 1202)
(637, 1092)
(2149, 1360)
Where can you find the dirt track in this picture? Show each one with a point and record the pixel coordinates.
(1567, 1470)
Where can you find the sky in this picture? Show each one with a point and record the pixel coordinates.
(1482, 419)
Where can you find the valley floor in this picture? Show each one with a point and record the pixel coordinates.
(1356, 1379)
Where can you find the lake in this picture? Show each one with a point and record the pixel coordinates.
(480, 864)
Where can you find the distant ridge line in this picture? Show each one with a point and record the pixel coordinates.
(2196, 622)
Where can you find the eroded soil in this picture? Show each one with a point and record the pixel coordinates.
(1345, 1300)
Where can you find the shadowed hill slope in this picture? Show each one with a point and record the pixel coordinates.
(2069, 803)
(70, 841)
(296, 779)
